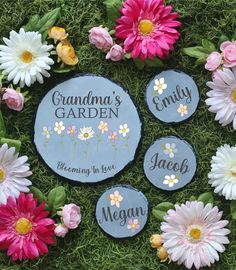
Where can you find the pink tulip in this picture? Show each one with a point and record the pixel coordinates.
(13, 99)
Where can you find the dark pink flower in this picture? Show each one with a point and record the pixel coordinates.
(147, 28)
(25, 230)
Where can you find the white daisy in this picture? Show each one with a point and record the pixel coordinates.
(86, 133)
(193, 234)
(222, 97)
(116, 199)
(124, 129)
(183, 110)
(170, 149)
(160, 85)
(223, 172)
(13, 171)
(25, 58)
(170, 180)
(59, 127)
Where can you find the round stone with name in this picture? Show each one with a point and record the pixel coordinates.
(172, 96)
(87, 129)
(122, 211)
(170, 163)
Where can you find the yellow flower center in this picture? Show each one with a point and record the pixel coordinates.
(160, 86)
(124, 130)
(116, 199)
(23, 226)
(2, 175)
(86, 135)
(26, 57)
(145, 27)
(233, 95)
(170, 150)
(171, 181)
(195, 233)
(233, 171)
(133, 225)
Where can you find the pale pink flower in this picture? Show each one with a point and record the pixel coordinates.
(229, 51)
(133, 225)
(61, 230)
(147, 28)
(222, 96)
(101, 38)
(13, 99)
(116, 53)
(116, 198)
(193, 234)
(213, 61)
(71, 216)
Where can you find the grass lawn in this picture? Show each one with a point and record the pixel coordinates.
(88, 247)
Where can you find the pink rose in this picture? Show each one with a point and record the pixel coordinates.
(116, 53)
(229, 51)
(61, 230)
(213, 61)
(71, 215)
(13, 99)
(100, 37)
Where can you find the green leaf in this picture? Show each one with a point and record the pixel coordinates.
(56, 198)
(208, 46)
(139, 63)
(38, 194)
(156, 62)
(2, 126)
(112, 8)
(62, 70)
(161, 209)
(11, 143)
(206, 198)
(196, 52)
(234, 36)
(233, 209)
(43, 24)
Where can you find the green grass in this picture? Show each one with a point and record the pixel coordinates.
(88, 247)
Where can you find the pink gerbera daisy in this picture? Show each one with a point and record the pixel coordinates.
(25, 229)
(147, 28)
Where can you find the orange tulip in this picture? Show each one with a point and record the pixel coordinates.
(57, 33)
(66, 53)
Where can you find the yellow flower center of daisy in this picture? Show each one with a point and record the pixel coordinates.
(233, 171)
(2, 175)
(170, 150)
(86, 135)
(233, 95)
(145, 27)
(26, 57)
(23, 226)
(171, 181)
(124, 130)
(195, 233)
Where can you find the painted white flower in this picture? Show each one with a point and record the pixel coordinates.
(13, 173)
(59, 127)
(124, 129)
(47, 132)
(160, 85)
(170, 180)
(24, 58)
(170, 149)
(86, 133)
(116, 198)
(193, 234)
(222, 96)
(223, 172)
(103, 126)
(183, 110)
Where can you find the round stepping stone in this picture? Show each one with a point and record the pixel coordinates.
(122, 211)
(172, 96)
(170, 163)
(87, 129)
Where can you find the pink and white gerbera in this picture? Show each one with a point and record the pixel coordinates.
(25, 230)
(147, 28)
(193, 234)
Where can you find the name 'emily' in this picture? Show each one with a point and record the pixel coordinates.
(176, 96)
(121, 215)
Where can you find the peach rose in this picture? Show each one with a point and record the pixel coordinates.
(13, 99)
(71, 215)
(57, 33)
(66, 53)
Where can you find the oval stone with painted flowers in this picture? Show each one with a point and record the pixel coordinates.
(122, 211)
(170, 163)
(172, 96)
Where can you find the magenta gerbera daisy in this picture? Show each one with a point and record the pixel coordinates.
(147, 28)
(25, 230)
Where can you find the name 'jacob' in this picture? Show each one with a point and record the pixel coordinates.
(89, 106)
